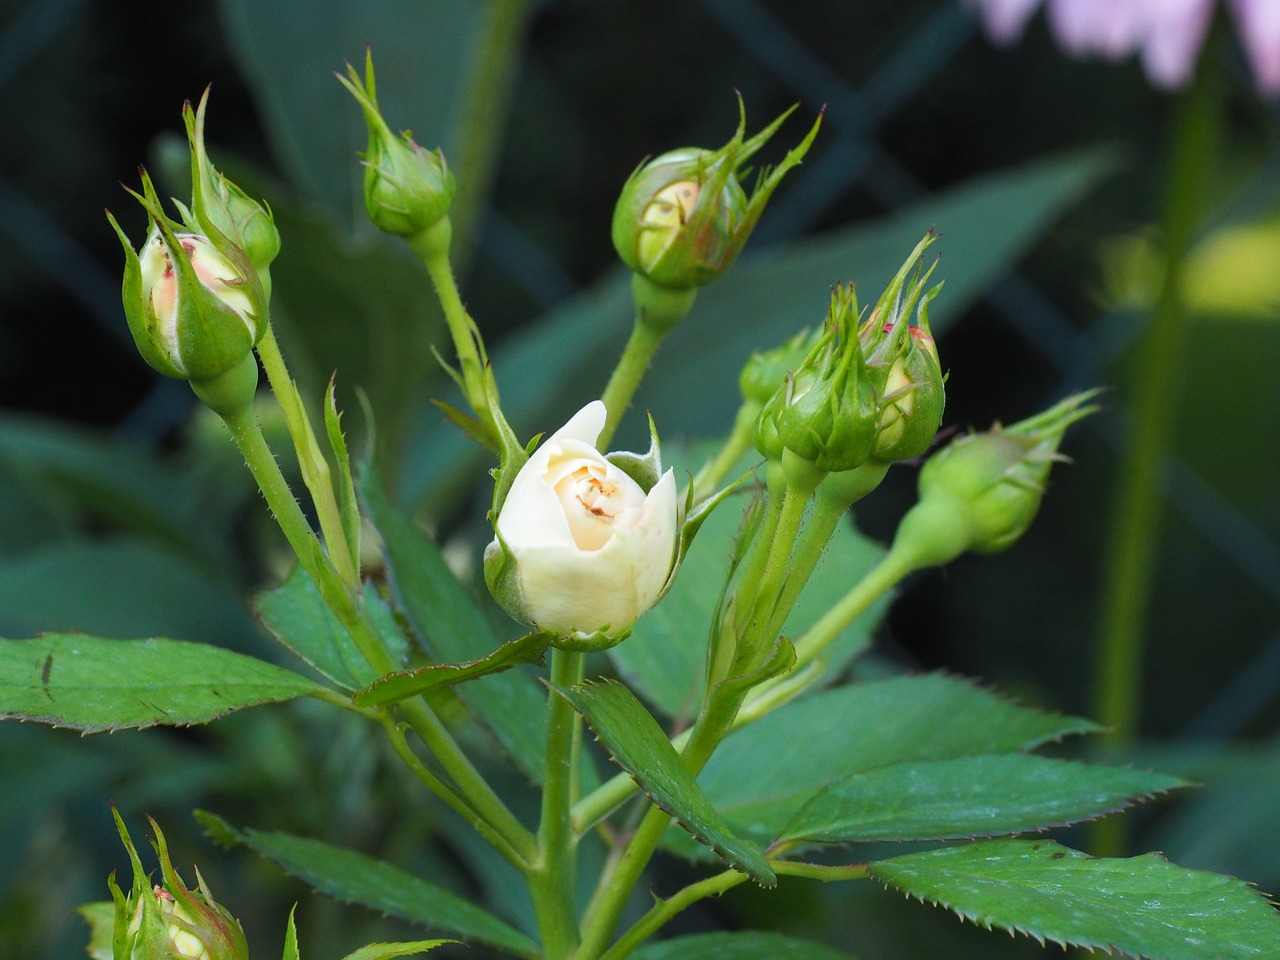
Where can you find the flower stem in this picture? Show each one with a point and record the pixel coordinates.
(247, 433)
(664, 910)
(882, 578)
(432, 246)
(658, 309)
(449, 796)
(551, 881)
(1130, 563)
(311, 459)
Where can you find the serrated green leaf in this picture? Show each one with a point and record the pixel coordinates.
(639, 746)
(969, 797)
(398, 686)
(94, 684)
(385, 951)
(765, 772)
(454, 630)
(746, 945)
(357, 878)
(1144, 906)
(298, 617)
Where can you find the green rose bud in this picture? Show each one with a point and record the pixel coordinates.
(168, 921)
(902, 362)
(406, 189)
(912, 401)
(982, 490)
(195, 311)
(223, 212)
(826, 412)
(683, 217)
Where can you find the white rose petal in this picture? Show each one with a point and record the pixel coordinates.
(592, 549)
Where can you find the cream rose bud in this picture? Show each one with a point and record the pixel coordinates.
(591, 548)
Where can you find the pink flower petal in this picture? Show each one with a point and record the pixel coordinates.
(1112, 28)
(1004, 20)
(1175, 32)
(1258, 22)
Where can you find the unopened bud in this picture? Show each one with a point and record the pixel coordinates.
(168, 920)
(682, 218)
(982, 490)
(221, 210)
(406, 189)
(194, 312)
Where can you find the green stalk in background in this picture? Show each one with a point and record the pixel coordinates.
(1129, 569)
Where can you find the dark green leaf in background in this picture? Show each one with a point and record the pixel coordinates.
(639, 746)
(744, 945)
(1144, 906)
(94, 684)
(376, 884)
(969, 797)
(455, 630)
(121, 587)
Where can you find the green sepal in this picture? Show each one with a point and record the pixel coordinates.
(291, 937)
(235, 223)
(644, 468)
(137, 310)
(348, 504)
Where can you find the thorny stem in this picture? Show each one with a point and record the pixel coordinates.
(551, 881)
(315, 466)
(658, 309)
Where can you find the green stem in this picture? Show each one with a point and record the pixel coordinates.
(432, 247)
(316, 473)
(764, 595)
(664, 910)
(823, 520)
(551, 882)
(247, 434)
(474, 787)
(658, 309)
(882, 578)
(613, 891)
(448, 795)
(1130, 563)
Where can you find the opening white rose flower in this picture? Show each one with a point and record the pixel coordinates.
(592, 549)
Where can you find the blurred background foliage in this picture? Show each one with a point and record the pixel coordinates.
(124, 512)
